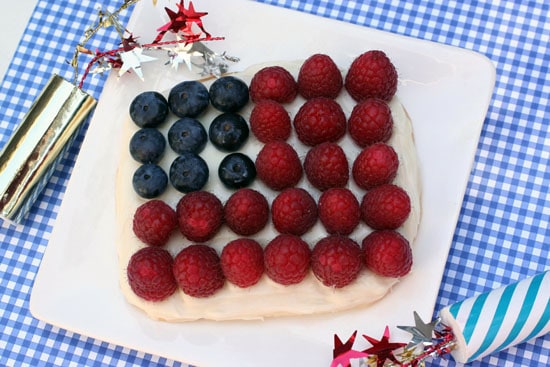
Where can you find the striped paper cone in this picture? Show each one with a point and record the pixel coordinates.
(499, 319)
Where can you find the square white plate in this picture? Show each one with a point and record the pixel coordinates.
(446, 91)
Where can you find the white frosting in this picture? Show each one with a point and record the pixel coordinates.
(266, 298)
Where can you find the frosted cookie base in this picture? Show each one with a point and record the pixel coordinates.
(266, 298)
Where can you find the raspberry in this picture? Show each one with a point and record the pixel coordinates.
(375, 165)
(319, 120)
(319, 77)
(198, 271)
(287, 259)
(293, 211)
(326, 166)
(200, 215)
(269, 121)
(246, 212)
(242, 262)
(339, 211)
(371, 75)
(387, 253)
(336, 261)
(278, 165)
(370, 122)
(385, 207)
(150, 275)
(275, 83)
(154, 221)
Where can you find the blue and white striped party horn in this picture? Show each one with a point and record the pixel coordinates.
(499, 319)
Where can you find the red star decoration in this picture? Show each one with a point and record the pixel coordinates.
(182, 21)
(193, 16)
(382, 348)
(129, 43)
(342, 352)
(341, 348)
(115, 62)
(445, 333)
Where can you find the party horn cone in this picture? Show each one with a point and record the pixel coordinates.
(30, 156)
(499, 319)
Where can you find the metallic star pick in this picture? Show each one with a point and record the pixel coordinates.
(106, 63)
(181, 53)
(182, 21)
(422, 332)
(340, 348)
(213, 63)
(101, 68)
(382, 348)
(345, 359)
(132, 59)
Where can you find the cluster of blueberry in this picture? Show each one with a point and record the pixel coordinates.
(188, 137)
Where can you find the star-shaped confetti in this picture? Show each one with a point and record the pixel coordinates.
(102, 66)
(212, 63)
(178, 21)
(182, 21)
(193, 17)
(182, 53)
(342, 352)
(344, 360)
(341, 348)
(382, 348)
(186, 24)
(129, 43)
(422, 333)
(429, 340)
(132, 60)
(409, 354)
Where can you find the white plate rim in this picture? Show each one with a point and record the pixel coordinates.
(213, 343)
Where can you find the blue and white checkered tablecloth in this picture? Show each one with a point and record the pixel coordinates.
(503, 232)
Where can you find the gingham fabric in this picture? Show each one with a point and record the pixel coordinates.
(502, 233)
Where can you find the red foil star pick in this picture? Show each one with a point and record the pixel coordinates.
(182, 21)
(341, 348)
(129, 43)
(342, 352)
(382, 348)
(193, 18)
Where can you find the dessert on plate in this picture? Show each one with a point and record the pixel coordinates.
(290, 188)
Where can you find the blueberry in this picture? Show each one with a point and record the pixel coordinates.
(147, 145)
(188, 99)
(188, 172)
(228, 131)
(228, 94)
(149, 109)
(236, 170)
(187, 135)
(149, 181)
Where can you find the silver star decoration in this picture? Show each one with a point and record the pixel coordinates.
(132, 60)
(181, 53)
(212, 63)
(102, 67)
(421, 332)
